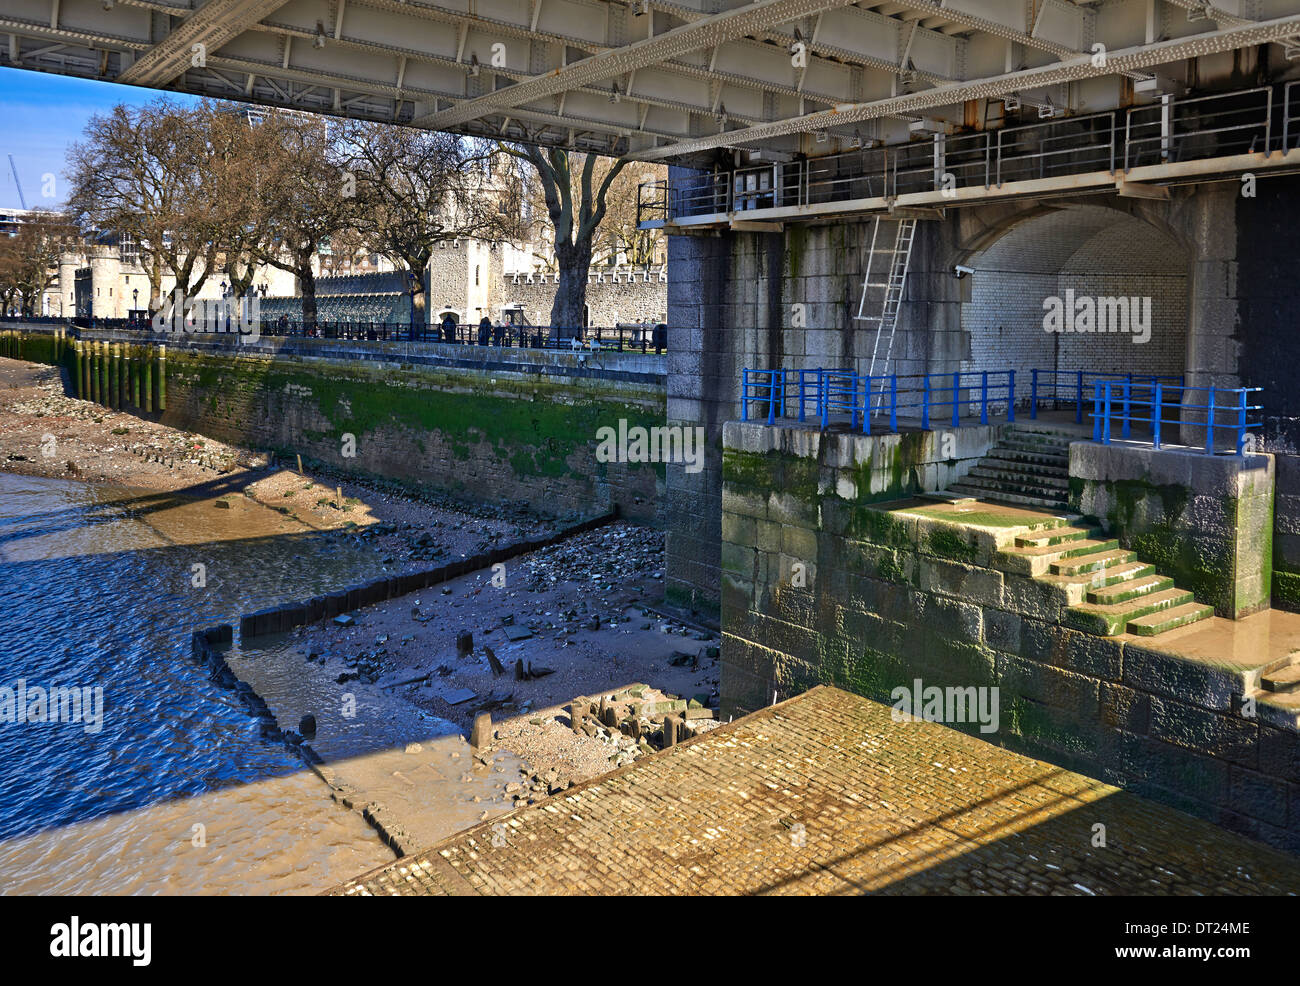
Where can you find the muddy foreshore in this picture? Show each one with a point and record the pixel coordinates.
(519, 641)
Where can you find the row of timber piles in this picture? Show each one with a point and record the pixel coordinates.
(120, 375)
(35, 347)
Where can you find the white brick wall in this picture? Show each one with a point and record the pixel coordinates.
(1096, 253)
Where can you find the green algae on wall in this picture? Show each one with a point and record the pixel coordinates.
(464, 430)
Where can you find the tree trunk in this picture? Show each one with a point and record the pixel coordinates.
(419, 300)
(307, 279)
(571, 293)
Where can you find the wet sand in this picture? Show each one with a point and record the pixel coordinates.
(394, 753)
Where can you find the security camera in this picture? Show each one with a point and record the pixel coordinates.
(961, 271)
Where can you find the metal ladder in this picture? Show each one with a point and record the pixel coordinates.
(895, 274)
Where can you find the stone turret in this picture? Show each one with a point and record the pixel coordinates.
(106, 283)
(67, 295)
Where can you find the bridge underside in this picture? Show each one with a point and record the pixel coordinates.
(681, 81)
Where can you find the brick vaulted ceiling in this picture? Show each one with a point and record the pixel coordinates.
(658, 80)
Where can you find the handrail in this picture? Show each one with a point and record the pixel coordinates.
(1118, 399)
(1181, 128)
(1112, 399)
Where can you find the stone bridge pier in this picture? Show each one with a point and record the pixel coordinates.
(1214, 259)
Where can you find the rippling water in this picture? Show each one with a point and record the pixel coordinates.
(97, 589)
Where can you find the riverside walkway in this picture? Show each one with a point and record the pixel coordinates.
(826, 794)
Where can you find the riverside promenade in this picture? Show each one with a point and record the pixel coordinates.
(826, 794)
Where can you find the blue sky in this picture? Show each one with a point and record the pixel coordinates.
(40, 115)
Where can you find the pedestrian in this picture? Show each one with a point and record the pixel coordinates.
(660, 337)
(498, 334)
(484, 330)
(448, 327)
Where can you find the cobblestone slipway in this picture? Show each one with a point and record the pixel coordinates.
(826, 794)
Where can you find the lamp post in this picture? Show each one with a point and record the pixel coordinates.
(135, 302)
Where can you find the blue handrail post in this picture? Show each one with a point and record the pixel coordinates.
(823, 398)
(801, 394)
(1128, 402)
(1096, 410)
(1105, 427)
(956, 393)
(893, 403)
(1011, 395)
(866, 407)
(925, 403)
(1078, 398)
(744, 394)
(1209, 423)
(1241, 422)
(984, 397)
(1156, 413)
(771, 400)
(1033, 393)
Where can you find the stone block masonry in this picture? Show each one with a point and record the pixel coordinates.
(826, 794)
(491, 426)
(891, 592)
(1206, 521)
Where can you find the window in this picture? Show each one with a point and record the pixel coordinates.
(476, 275)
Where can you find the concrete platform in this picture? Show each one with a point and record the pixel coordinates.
(826, 794)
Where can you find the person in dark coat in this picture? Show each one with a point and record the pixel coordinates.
(498, 334)
(448, 327)
(484, 330)
(660, 337)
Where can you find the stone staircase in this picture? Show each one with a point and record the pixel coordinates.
(1108, 589)
(1282, 677)
(1028, 468)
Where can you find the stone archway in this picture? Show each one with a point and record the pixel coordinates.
(1042, 292)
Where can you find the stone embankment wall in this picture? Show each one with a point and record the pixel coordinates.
(494, 425)
(1206, 521)
(887, 600)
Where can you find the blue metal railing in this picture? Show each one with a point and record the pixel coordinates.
(1161, 407)
(1049, 386)
(863, 398)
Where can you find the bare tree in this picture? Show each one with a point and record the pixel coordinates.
(39, 241)
(142, 172)
(308, 196)
(419, 188)
(576, 204)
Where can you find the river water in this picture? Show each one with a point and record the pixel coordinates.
(173, 791)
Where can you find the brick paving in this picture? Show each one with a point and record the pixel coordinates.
(825, 794)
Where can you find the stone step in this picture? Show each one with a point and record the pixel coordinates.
(1043, 559)
(1114, 619)
(1283, 680)
(1092, 562)
(1015, 499)
(1024, 477)
(1169, 619)
(1077, 586)
(1001, 458)
(1129, 589)
(1056, 535)
(1047, 454)
(1024, 485)
(1029, 443)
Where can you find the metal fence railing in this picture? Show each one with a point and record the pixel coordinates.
(1171, 414)
(1173, 129)
(882, 398)
(623, 338)
(1133, 407)
(1053, 389)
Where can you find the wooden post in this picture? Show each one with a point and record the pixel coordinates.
(162, 377)
(76, 367)
(146, 384)
(114, 376)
